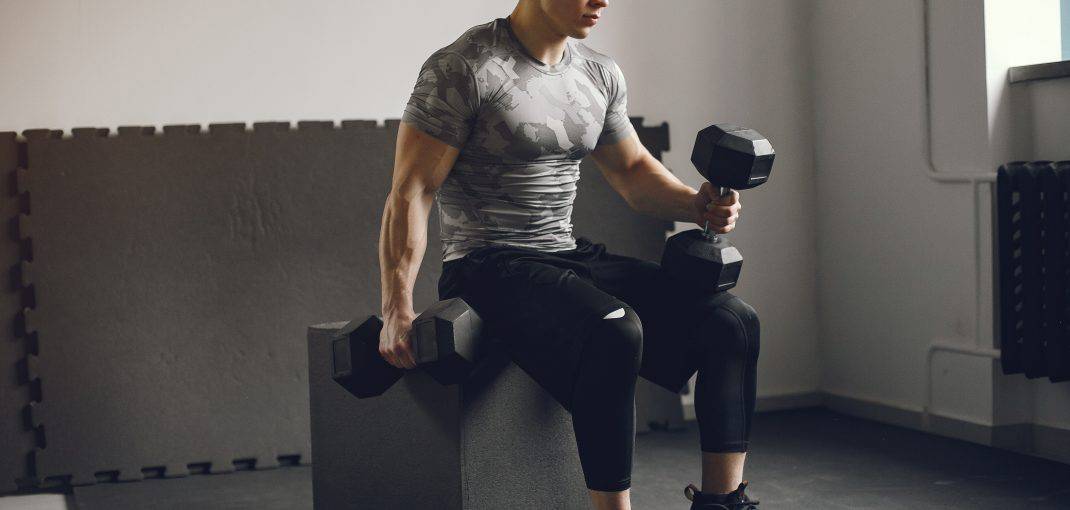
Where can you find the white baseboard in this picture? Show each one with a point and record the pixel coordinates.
(1037, 440)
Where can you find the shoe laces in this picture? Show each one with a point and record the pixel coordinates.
(744, 502)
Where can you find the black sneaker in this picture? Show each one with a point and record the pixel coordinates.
(734, 500)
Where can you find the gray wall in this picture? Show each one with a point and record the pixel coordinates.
(895, 249)
(896, 261)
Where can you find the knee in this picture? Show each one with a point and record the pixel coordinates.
(731, 328)
(618, 339)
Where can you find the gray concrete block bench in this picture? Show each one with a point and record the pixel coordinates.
(497, 441)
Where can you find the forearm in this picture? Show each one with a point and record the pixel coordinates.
(654, 190)
(402, 242)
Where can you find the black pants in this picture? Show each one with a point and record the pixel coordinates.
(547, 309)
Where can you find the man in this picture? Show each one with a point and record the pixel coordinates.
(496, 126)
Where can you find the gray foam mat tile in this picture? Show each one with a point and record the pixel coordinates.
(16, 441)
(175, 274)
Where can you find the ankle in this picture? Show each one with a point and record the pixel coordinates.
(720, 489)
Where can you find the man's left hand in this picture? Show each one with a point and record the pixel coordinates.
(721, 212)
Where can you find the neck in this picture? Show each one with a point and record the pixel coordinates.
(536, 34)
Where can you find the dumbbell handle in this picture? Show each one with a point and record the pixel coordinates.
(721, 193)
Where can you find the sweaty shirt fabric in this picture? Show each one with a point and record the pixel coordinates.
(522, 128)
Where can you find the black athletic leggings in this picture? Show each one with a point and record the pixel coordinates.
(603, 403)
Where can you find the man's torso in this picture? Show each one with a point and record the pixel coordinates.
(528, 125)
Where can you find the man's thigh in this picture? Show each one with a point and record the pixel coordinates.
(539, 308)
(668, 312)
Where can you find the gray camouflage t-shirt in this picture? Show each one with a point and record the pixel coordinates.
(522, 128)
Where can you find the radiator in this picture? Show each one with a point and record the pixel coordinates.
(1033, 230)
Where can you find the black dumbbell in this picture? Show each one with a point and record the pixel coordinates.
(730, 157)
(445, 342)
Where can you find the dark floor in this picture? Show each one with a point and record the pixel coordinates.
(820, 459)
(799, 459)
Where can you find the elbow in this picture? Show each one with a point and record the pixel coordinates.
(635, 204)
(412, 191)
(626, 193)
(633, 199)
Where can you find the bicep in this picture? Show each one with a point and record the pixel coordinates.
(615, 159)
(421, 161)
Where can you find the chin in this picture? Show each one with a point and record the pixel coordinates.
(580, 33)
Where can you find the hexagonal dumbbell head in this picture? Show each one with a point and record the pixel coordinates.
(357, 364)
(732, 157)
(707, 265)
(446, 340)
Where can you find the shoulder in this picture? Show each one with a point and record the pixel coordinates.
(595, 58)
(598, 65)
(475, 47)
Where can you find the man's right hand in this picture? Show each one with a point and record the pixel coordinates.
(394, 343)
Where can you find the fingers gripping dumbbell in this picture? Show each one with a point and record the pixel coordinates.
(445, 341)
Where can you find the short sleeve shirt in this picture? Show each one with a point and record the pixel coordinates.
(522, 128)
